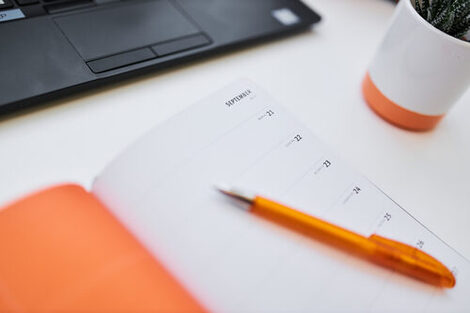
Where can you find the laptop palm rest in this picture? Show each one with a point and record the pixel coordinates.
(128, 33)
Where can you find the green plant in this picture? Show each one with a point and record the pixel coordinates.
(450, 16)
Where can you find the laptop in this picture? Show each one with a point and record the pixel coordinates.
(52, 48)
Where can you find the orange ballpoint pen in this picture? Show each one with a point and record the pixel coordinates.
(385, 252)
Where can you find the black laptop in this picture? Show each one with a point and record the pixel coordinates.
(51, 48)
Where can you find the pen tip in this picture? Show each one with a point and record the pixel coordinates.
(236, 193)
(223, 188)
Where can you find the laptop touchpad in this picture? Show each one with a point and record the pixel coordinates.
(112, 30)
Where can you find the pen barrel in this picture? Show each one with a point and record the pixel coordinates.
(313, 227)
(379, 250)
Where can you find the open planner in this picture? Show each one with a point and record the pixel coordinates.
(154, 235)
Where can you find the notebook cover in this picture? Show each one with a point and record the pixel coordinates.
(62, 251)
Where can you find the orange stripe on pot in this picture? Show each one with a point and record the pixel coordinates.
(393, 113)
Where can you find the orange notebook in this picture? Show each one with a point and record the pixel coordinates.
(62, 251)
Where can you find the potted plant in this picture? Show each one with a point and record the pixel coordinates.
(422, 66)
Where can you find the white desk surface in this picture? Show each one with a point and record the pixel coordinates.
(317, 75)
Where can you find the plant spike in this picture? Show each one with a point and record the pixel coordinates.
(418, 7)
(435, 7)
(425, 5)
(447, 24)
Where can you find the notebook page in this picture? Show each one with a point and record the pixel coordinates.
(162, 189)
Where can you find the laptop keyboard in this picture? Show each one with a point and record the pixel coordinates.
(31, 8)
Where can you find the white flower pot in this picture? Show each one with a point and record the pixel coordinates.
(418, 72)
